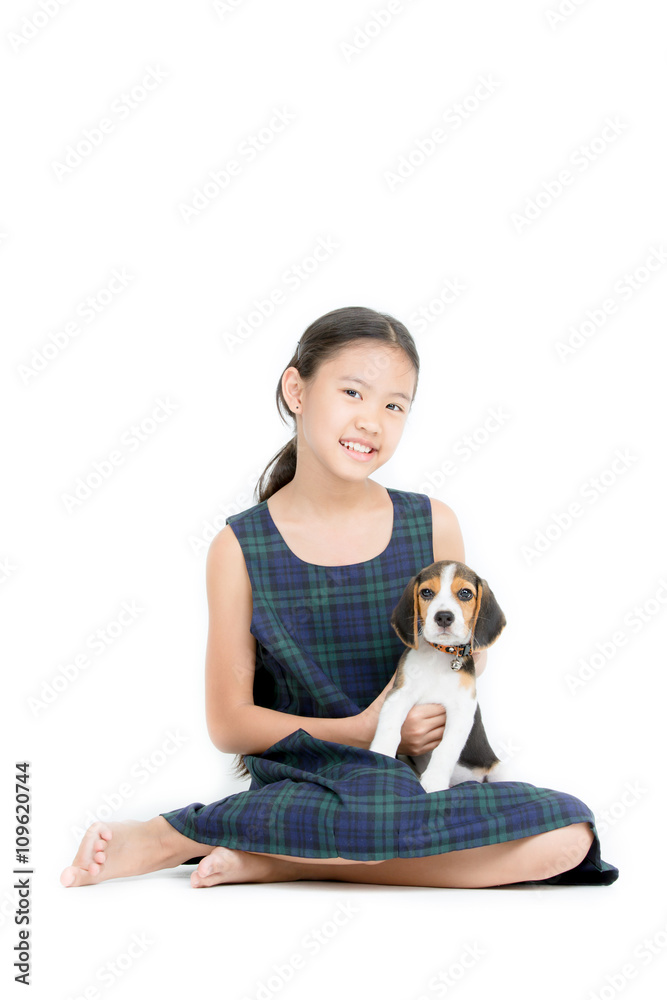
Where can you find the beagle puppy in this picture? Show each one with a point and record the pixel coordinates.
(444, 613)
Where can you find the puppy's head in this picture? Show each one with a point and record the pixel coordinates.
(452, 604)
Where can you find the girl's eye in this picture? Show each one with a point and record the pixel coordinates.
(399, 408)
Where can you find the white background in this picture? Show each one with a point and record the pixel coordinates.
(165, 336)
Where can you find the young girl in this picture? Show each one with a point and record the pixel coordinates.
(301, 654)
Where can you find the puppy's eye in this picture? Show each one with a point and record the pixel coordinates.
(426, 593)
(465, 594)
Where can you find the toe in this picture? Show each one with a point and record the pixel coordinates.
(203, 882)
(92, 848)
(209, 871)
(67, 876)
(75, 876)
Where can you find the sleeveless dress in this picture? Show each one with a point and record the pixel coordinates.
(326, 648)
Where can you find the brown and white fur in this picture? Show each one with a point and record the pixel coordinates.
(448, 604)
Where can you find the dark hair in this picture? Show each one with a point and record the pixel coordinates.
(322, 340)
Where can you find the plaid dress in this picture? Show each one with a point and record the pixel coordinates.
(326, 648)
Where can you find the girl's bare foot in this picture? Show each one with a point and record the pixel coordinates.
(116, 850)
(132, 847)
(226, 865)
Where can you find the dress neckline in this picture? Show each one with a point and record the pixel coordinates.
(365, 562)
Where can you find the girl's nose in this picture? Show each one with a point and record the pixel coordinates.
(368, 420)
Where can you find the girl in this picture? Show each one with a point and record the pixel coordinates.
(301, 654)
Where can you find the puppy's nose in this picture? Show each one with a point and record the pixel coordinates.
(443, 618)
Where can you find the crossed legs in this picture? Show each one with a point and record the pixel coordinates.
(116, 850)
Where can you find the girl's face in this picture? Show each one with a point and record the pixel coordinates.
(364, 393)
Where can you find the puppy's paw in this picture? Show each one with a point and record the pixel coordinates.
(431, 783)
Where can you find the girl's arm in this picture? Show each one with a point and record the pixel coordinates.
(479, 656)
(235, 724)
(255, 729)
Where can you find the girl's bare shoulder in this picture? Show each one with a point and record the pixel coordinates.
(447, 537)
(225, 562)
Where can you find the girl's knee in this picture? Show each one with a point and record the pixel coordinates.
(583, 837)
(568, 846)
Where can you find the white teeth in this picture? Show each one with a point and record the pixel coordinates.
(355, 446)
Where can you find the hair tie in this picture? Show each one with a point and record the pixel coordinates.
(298, 349)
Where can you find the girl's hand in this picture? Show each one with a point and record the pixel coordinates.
(422, 730)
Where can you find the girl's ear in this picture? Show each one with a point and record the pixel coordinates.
(490, 620)
(405, 616)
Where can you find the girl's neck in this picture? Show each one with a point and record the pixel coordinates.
(331, 504)
(333, 539)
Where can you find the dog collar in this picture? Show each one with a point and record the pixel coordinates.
(462, 650)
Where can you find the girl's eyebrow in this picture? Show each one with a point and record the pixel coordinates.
(355, 378)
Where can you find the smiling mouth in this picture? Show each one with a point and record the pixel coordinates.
(357, 449)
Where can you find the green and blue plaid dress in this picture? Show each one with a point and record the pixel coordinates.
(326, 648)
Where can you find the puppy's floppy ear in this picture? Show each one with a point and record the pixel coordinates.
(489, 618)
(405, 616)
